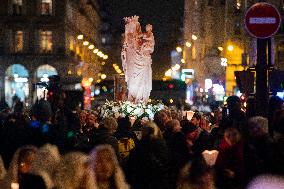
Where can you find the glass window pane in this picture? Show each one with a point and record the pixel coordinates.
(19, 41)
(46, 41)
(17, 6)
(46, 7)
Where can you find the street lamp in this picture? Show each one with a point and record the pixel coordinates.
(85, 43)
(179, 49)
(230, 48)
(96, 51)
(188, 44)
(91, 47)
(80, 37)
(193, 37)
(220, 48)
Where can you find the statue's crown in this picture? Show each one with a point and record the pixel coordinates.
(131, 19)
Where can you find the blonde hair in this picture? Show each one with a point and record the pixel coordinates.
(70, 172)
(45, 164)
(110, 123)
(13, 171)
(151, 130)
(119, 177)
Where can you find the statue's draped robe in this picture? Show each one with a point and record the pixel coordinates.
(136, 62)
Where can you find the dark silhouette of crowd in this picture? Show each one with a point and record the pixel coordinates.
(64, 147)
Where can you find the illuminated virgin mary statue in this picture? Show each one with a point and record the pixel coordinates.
(136, 59)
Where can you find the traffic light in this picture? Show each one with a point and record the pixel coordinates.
(245, 81)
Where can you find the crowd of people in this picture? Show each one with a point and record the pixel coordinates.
(77, 149)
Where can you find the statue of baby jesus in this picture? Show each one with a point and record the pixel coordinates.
(148, 40)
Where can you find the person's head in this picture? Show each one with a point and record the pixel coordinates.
(151, 131)
(74, 172)
(42, 110)
(161, 118)
(26, 157)
(46, 160)
(83, 116)
(257, 126)
(190, 130)
(109, 123)
(234, 103)
(21, 163)
(124, 124)
(205, 123)
(173, 126)
(104, 161)
(196, 118)
(200, 173)
(91, 120)
(106, 167)
(232, 136)
(149, 27)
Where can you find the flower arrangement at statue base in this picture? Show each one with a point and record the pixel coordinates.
(126, 108)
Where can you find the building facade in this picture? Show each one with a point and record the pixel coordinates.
(214, 34)
(39, 38)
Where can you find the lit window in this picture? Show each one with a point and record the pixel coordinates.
(71, 43)
(18, 41)
(46, 7)
(46, 41)
(17, 7)
(103, 40)
(193, 51)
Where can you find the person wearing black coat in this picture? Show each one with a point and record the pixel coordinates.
(148, 166)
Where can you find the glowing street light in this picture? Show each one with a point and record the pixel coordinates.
(230, 48)
(91, 47)
(96, 51)
(220, 48)
(194, 37)
(85, 43)
(168, 73)
(119, 71)
(99, 53)
(188, 44)
(91, 79)
(179, 49)
(176, 67)
(80, 37)
(103, 76)
(105, 57)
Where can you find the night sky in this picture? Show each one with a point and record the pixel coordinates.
(166, 16)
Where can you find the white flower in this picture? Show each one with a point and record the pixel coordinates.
(129, 109)
(115, 109)
(138, 112)
(151, 115)
(160, 106)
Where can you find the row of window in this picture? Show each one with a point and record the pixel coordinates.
(45, 7)
(45, 41)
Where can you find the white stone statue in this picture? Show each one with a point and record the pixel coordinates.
(136, 59)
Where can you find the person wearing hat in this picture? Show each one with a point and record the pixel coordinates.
(236, 117)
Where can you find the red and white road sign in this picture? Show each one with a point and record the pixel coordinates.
(262, 20)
